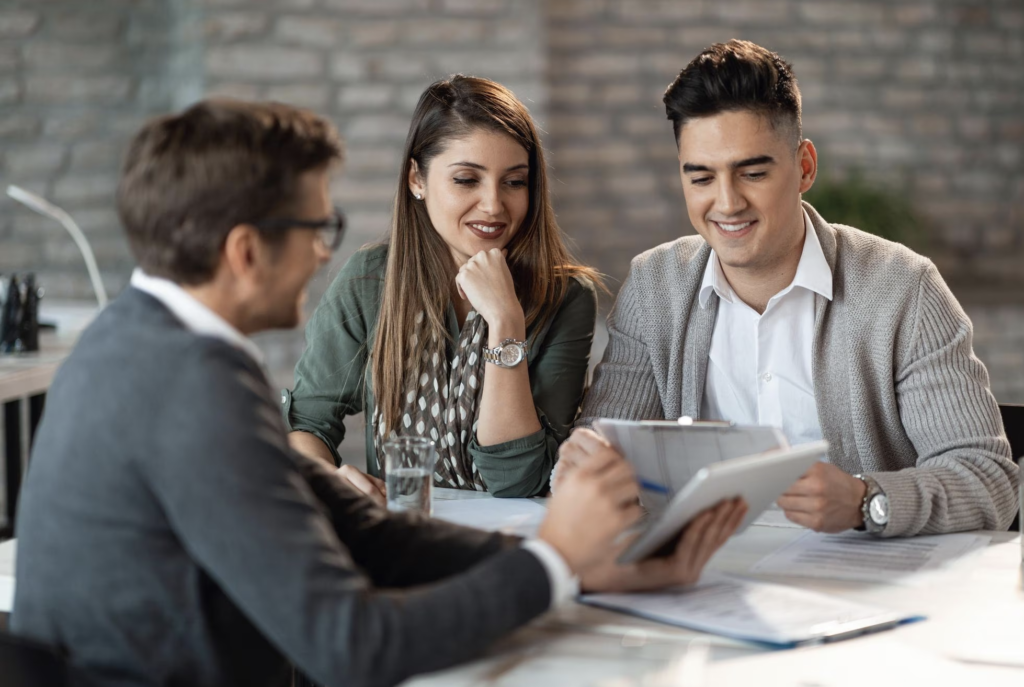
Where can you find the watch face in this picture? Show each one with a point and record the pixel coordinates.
(879, 509)
(511, 354)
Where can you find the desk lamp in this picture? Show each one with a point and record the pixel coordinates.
(47, 209)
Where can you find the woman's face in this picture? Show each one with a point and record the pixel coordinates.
(477, 192)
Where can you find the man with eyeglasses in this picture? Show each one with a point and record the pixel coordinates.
(167, 533)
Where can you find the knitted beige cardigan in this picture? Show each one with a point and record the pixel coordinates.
(899, 391)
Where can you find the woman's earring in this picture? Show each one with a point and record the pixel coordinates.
(417, 196)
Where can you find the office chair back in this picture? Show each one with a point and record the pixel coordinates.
(1013, 423)
(24, 663)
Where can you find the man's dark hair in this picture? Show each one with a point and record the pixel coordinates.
(189, 178)
(734, 76)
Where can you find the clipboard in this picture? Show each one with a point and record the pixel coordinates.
(666, 455)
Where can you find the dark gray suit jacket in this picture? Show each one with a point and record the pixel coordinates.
(169, 536)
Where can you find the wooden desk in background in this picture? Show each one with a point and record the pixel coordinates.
(24, 380)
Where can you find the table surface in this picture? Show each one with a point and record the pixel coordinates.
(583, 645)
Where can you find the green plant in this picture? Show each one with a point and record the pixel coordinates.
(857, 203)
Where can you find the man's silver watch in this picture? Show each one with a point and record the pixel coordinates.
(875, 506)
(508, 353)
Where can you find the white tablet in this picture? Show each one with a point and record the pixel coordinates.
(670, 454)
(759, 479)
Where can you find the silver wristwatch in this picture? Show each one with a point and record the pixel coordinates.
(875, 506)
(508, 353)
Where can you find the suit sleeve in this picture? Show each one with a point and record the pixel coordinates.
(420, 550)
(231, 490)
(965, 478)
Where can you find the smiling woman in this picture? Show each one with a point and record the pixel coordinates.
(472, 325)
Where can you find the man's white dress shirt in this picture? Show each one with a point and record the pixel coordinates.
(204, 321)
(759, 370)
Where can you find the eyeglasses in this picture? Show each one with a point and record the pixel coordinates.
(330, 230)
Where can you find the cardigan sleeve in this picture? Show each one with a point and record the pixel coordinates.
(558, 373)
(329, 377)
(624, 384)
(965, 478)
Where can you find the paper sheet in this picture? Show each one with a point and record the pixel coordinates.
(862, 557)
(511, 516)
(743, 609)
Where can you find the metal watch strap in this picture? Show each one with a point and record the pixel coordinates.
(873, 490)
(493, 355)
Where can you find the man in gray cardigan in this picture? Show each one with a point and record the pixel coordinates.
(167, 533)
(774, 316)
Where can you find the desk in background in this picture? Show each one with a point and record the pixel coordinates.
(24, 380)
(7, 552)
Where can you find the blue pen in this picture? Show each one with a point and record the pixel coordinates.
(653, 486)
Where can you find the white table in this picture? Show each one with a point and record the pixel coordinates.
(573, 646)
(583, 645)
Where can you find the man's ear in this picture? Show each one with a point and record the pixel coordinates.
(807, 158)
(242, 251)
(415, 179)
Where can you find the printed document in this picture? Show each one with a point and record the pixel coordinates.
(753, 611)
(861, 557)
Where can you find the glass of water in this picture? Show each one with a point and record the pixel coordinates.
(409, 470)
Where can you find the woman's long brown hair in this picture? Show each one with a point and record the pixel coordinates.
(420, 271)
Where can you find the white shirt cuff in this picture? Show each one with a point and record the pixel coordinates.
(564, 585)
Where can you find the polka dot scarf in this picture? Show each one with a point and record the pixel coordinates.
(441, 402)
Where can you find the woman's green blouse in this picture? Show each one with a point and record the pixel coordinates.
(332, 379)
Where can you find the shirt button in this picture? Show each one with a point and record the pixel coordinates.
(284, 398)
(767, 376)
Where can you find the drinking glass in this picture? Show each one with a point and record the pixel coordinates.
(409, 469)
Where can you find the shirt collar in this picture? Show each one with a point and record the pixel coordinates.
(812, 272)
(194, 315)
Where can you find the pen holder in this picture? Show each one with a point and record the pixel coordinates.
(19, 314)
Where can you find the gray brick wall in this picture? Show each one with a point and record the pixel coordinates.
(924, 96)
(364, 63)
(75, 82)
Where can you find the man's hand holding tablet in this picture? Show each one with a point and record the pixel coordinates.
(703, 536)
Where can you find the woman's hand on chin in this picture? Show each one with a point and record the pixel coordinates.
(486, 282)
